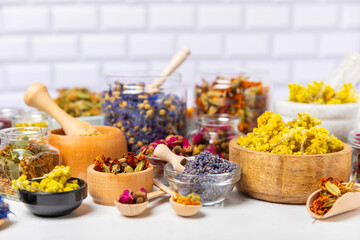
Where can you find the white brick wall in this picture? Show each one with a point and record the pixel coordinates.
(75, 42)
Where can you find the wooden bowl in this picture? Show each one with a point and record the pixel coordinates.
(287, 178)
(104, 188)
(79, 152)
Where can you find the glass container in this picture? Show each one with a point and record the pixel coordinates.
(32, 118)
(25, 150)
(354, 142)
(5, 116)
(215, 132)
(144, 114)
(212, 188)
(244, 93)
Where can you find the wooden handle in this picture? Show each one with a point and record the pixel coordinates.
(164, 153)
(163, 187)
(174, 63)
(37, 96)
(155, 194)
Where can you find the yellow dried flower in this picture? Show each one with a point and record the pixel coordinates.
(300, 136)
(319, 93)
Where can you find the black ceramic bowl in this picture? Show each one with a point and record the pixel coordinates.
(54, 204)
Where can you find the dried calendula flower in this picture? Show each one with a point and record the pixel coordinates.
(330, 191)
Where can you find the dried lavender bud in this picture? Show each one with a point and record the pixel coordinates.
(204, 171)
(143, 117)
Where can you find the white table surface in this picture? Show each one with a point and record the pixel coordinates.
(239, 217)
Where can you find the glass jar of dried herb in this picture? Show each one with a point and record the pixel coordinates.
(25, 150)
(215, 132)
(144, 113)
(31, 118)
(243, 93)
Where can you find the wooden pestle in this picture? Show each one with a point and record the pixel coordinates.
(37, 96)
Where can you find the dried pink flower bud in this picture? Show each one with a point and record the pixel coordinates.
(127, 197)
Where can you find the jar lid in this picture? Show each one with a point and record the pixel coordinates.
(354, 138)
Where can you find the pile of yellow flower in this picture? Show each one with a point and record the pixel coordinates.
(317, 92)
(56, 181)
(300, 136)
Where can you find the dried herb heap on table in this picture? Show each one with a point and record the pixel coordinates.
(79, 102)
(56, 181)
(4, 209)
(318, 92)
(190, 199)
(236, 96)
(300, 136)
(330, 191)
(32, 158)
(177, 144)
(143, 117)
(130, 197)
(128, 164)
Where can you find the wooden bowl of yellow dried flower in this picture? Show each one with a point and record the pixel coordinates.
(286, 178)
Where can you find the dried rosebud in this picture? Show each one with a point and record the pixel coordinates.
(174, 141)
(177, 150)
(187, 148)
(197, 138)
(141, 196)
(143, 149)
(198, 149)
(127, 197)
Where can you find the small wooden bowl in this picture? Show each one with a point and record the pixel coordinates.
(104, 188)
(287, 178)
(79, 152)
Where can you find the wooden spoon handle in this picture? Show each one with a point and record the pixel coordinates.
(155, 194)
(163, 187)
(164, 153)
(174, 63)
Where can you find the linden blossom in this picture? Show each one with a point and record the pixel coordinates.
(300, 136)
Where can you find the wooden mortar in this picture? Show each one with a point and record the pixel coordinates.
(287, 178)
(104, 188)
(79, 152)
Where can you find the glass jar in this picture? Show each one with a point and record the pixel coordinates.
(142, 113)
(6, 115)
(215, 132)
(354, 142)
(244, 93)
(25, 150)
(32, 118)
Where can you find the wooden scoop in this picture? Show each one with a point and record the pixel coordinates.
(347, 202)
(165, 154)
(174, 63)
(180, 209)
(37, 96)
(131, 210)
(2, 221)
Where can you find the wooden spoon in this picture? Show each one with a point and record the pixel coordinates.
(165, 154)
(180, 209)
(347, 202)
(174, 63)
(37, 96)
(131, 210)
